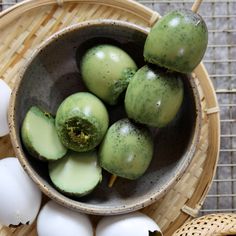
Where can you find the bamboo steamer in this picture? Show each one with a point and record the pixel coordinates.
(209, 225)
(24, 26)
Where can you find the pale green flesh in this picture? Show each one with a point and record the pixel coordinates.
(76, 174)
(40, 136)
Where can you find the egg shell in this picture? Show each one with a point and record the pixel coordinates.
(60, 221)
(5, 94)
(136, 223)
(20, 198)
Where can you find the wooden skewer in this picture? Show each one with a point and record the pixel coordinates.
(112, 180)
(196, 5)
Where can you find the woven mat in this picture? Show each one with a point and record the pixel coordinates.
(26, 25)
(209, 225)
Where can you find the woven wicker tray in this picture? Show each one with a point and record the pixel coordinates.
(27, 24)
(209, 225)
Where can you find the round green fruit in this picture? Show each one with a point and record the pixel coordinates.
(177, 41)
(106, 71)
(81, 121)
(126, 150)
(154, 96)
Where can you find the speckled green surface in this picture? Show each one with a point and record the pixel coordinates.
(126, 150)
(106, 71)
(81, 121)
(154, 97)
(177, 41)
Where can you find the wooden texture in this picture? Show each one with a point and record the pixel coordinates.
(196, 5)
(209, 225)
(24, 26)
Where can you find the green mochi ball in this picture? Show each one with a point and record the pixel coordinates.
(177, 41)
(106, 71)
(154, 96)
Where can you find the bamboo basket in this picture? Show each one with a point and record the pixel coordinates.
(24, 26)
(209, 225)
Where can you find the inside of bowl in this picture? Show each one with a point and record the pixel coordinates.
(54, 74)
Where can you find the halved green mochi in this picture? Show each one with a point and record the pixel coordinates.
(76, 174)
(40, 137)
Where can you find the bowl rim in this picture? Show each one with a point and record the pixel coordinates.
(49, 190)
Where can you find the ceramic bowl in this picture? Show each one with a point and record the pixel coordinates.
(52, 73)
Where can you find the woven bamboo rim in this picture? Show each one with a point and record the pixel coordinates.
(209, 225)
(24, 26)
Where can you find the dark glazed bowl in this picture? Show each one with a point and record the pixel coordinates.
(52, 73)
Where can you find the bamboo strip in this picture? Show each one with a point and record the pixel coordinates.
(130, 6)
(215, 224)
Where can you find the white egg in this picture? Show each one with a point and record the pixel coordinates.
(55, 220)
(130, 224)
(20, 198)
(5, 94)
